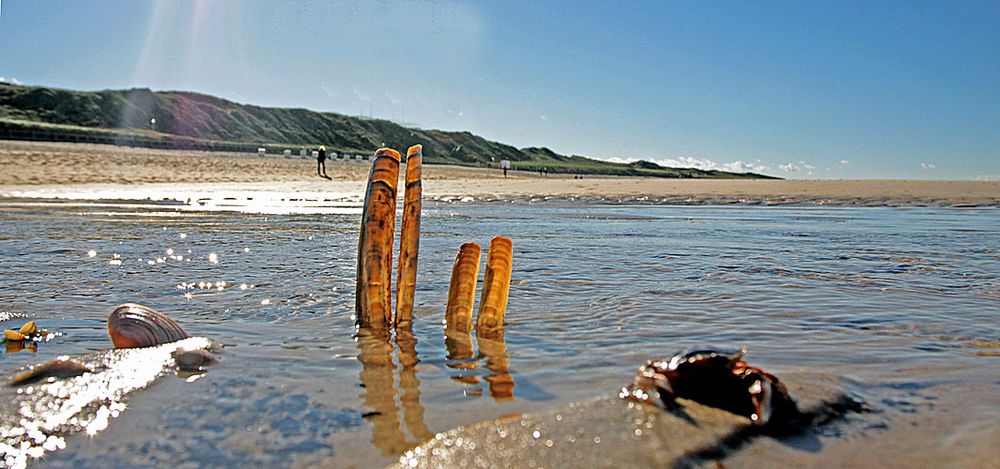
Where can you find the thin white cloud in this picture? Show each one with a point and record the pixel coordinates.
(329, 92)
(987, 177)
(392, 99)
(11, 80)
(844, 162)
(702, 164)
(362, 96)
(928, 166)
(789, 168)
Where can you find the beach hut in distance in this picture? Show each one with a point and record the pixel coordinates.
(261, 151)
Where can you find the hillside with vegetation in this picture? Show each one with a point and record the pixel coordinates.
(197, 121)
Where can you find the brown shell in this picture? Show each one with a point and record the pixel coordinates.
(462, 292)
(409, 239)
(374, 286)
(496, 287)
(13, 335)
(132, 326)
(60, 368)
(29, 328)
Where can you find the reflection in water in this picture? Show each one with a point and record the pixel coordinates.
(494, 348)
(380, 390)
(413, 412)
(461, 356)
(375, 352)
(15, 346)
(377, 377)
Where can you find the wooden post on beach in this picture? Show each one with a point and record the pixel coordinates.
(462, 292)
(496, 287)
(374, 283)
(409, 239)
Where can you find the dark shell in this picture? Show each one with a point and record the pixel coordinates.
(193, 360)
(716, 379)
(772, 404)
(59, 368)
(132, 326)
(707, 377)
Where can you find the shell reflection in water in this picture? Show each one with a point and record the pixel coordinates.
(131, 326)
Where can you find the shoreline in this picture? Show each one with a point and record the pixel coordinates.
(49, 170)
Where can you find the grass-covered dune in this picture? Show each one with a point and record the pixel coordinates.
(192, 120)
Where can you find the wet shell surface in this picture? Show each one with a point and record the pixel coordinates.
(133, 325)
(29, 328)
(60, 368)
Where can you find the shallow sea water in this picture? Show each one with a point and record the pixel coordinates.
(904, 303)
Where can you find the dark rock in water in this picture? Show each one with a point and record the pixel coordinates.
(60, 368)
(609, 432)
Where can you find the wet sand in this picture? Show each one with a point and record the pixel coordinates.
(32, 165)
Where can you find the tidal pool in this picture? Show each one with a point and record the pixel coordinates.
(901, 302)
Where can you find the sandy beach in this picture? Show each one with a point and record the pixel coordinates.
(31, 166)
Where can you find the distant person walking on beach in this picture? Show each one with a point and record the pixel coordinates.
(321, 163)
(505, 164)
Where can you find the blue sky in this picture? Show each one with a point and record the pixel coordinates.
(796, 89)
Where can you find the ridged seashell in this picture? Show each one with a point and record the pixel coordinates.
(132, 326)
(13, 335)
(462, 292)
(378, 218)
(29, 328)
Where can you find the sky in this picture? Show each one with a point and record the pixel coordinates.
(797, 89)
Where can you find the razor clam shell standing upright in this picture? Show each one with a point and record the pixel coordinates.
(374, 282)
(496, 287)
(462, 292)
(409, 239)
